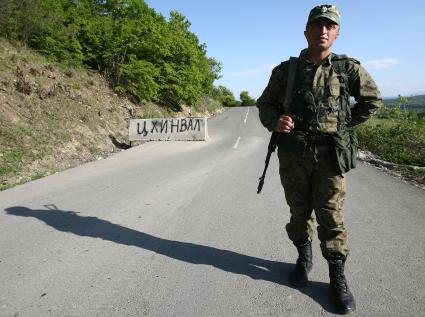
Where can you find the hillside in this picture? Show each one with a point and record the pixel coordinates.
(53, 117)
(416, 103)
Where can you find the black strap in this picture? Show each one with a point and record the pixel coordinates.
(290, 84)
(343, 116)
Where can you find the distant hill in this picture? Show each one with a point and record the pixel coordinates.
(416, 103)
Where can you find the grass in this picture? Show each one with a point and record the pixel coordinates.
(398, 137)
(7, 170)
(151, 111)
(39, 175)
(417, 175)
(396, 141)
(207, 104)
(6, 186)
(58, 116)
(93, 149)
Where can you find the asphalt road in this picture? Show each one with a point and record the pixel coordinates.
(177, 229)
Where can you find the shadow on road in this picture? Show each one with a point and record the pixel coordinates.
(229, 261)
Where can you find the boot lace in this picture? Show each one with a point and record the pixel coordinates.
(339, 281)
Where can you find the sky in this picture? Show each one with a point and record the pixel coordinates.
(249, 38)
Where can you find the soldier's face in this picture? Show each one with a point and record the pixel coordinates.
(321, 34)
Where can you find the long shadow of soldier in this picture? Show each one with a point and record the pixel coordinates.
(229, 261)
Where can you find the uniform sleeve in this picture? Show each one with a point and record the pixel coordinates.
(270, 102)
(366, 93)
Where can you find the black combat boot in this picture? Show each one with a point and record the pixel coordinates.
(299, 276)
(344, 300)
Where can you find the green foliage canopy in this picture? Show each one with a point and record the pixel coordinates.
(225, 96)
(140, 52)
(246, 99)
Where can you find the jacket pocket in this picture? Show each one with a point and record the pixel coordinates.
(345, 147)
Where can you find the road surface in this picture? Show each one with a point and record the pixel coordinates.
(177, 229)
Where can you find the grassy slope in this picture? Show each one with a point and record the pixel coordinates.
(400, 141)
(53, 118)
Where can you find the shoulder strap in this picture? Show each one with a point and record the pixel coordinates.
(339, 65)
(290, 84)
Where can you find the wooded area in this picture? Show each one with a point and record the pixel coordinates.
(141, 53)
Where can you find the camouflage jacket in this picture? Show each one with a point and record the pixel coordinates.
(322, 86)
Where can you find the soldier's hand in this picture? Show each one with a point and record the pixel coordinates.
(284, 124)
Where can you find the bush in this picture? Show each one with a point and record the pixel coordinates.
(396, 135)
(397, 141)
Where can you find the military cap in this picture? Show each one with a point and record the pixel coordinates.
(325, 11)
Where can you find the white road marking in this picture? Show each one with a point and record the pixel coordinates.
(237, 143)
(246, 117)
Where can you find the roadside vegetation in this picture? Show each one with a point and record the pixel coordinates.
(54, 116)
(141, 54)
(397, 134)
(72, 73)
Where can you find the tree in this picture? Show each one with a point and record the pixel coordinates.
(225, 96)
(138, 50)
(246, 99)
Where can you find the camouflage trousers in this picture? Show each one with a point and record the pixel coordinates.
(310, 183)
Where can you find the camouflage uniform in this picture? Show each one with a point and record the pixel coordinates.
(307, 171)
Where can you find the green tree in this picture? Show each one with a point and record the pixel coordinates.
(43, 25)
(226, 97)
(246, 99)
(139, 51)
(187, 72)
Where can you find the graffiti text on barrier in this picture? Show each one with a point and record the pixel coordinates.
(169, 126)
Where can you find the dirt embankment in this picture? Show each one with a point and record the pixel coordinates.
(53, 117)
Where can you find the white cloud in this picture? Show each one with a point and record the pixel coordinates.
(382, 63)
(252, 72)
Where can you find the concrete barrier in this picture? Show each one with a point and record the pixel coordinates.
(168, 129)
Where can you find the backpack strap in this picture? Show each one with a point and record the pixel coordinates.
(339, 65)
(293, 61)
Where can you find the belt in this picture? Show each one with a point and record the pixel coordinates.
(318, 139)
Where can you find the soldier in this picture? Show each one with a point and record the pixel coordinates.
(308, 105)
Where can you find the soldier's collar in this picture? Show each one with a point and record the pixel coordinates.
(328, 61)
(304, 57)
